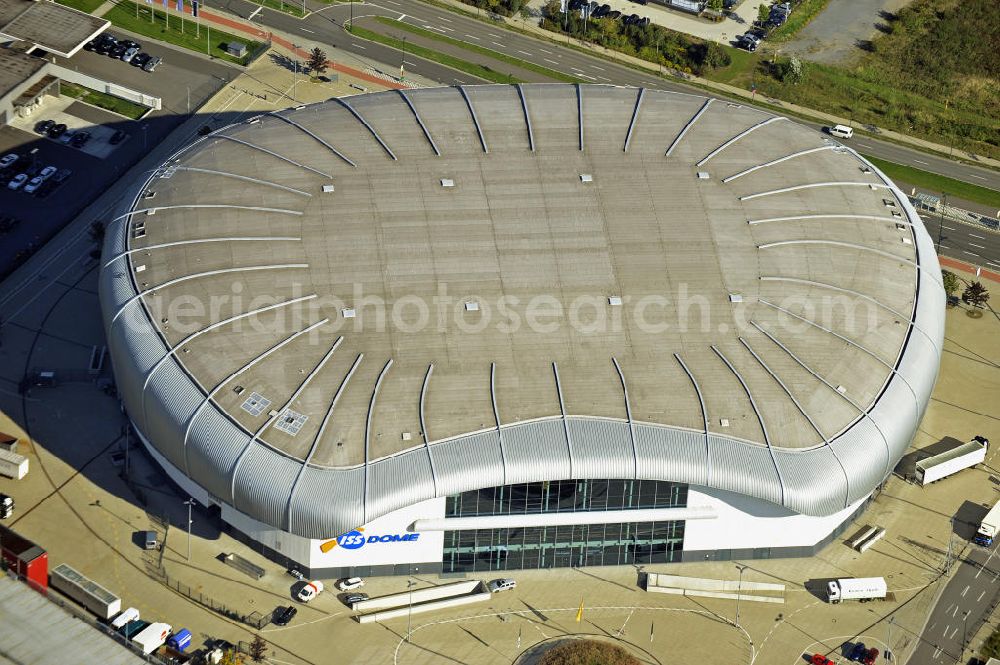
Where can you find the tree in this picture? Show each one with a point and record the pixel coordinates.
(258, 649)
(715, 5)
(950, 281)
(317, 61)
(230, 658)
(793, 74)
(975, 294)
(763, 14)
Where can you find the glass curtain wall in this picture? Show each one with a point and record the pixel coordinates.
(607, 544)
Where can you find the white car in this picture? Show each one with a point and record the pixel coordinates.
(18, 180)
(503, 584)
(310, 591)
(7, 160)
(35, 183)
(47, 172)
(350, 584)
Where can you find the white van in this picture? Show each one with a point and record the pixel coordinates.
(503, 584)
(131, 614)
(841, 131)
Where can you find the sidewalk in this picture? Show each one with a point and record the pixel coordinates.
(533, 29)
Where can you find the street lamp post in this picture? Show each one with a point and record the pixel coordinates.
(965, 631)
(944, 202)
(189, 503)
(409, 610)
(739, 592)
(888, 640)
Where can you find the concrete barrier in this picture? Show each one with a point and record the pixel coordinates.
(717, 594)
(417, 596)
(425, 607)
(101, 85)
(705, 584)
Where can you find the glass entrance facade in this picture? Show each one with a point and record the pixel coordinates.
(607, 544)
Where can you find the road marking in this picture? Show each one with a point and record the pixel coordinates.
(981, 594)
(972, 175)
(584, 76)
(444, 29)
(544, 51)
(473, 37)
(357, 46)
(975, 236)
(970, 254)
(601, 69)
(578, 71)
(921, 162)
(998, 266)
(524, 53)
(492, 35)
(497, 44)
(955, 612)
(937, 652)
(393, 3)
(949, 608)
(311, 32)
(945, 633)
(863, 145)
(446, 20)
(552, 61)
(950, 228)
(972, 244)
(401, 17)
(953, 634)
(604, 79)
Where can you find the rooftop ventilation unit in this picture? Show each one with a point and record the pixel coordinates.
(586, 177)
(327, 189)
(447, 182)
(348, 312)
(472, 306)
(735, 297)
(703, 175)
(615, 301)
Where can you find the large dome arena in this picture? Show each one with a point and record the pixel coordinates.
(322, 316)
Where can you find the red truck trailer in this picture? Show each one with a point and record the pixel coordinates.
(28, 560)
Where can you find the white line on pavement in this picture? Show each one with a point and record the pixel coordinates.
(983, 567)
(401, 17)
(998, 266)
(311, 32)
(473, 37)
(970, 254)
(598, 68)
(981, 594)
(524, 52)
(604, 79)
(357, 46)
(973, 175)
(446, 20)
(544, 51)
(578, 71)
(552, 61)
(954, 612)
(392, 3)
(953, 634)
(495, 36)
(945, 633)
(497, 44)
(937, 652)
(975, 236)
(921, 162)
(865, 146)
(950, 228)
(965, 590)
(972, 244)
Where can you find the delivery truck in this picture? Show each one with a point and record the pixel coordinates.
(856, 588)
(13, 465)
(6, 506)
(951, 461)
(152, 637)
(85, 591)
(989, 527)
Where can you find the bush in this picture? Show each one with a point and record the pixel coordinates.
(587, 652)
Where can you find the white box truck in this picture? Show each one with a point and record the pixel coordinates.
(989, 527)
(856, 588)
(152, 637)
(13, 465)
(951, 461)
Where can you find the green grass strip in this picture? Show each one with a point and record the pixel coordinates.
(937, 183)
(103, 100)
(479, 71)
(83, 5)
(123, 15)
(282, 6)
(496, 55)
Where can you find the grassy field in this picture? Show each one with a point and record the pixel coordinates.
(123, 15)
(83, 5)
(517, 62)
(937, 183)
(282, 6)
(436, 56)
(103, 100)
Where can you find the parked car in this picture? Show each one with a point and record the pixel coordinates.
(749, 42)
(502, 584)
(310, 591)
(34, 184)
(858, 652)
(820, 659)
(614, 15)
(140, 59)
(17, 181)
(871, 656)
(47, 172)
(105, 44)
(151, 64)
(355, 598)
(57, 130)
(80, 139)
(283, 615)
(67, 136)
(118, 50)
(130, 53)
(44, 126)
(8, 160)
(350, 584)
(117, 137)
(841, 131)
(61, 175)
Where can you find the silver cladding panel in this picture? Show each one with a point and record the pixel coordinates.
(334, 499)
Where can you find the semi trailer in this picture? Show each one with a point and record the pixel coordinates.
(856, 588)
(951, 461)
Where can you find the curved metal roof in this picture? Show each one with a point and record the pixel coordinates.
(325, 314)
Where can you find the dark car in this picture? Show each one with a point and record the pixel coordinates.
(870, 657)
(858, 652)
(355, 598)
(283, 615)
(118, 50)
(61, 175)
(117, 137)
(55, 131)
(44, 126)
(80, 139)
(140, 59)
(105, 43)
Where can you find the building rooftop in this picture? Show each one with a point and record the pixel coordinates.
(575, 258)
(56, 28)
(16, 68)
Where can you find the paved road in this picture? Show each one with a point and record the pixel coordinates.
(325, 27)
(965, 603)
(967, 243)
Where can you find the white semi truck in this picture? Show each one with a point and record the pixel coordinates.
(952, 461)
(856, 588)
(989, 527)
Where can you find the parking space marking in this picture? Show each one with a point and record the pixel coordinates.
(945, 633)
(952, 636)
(981, 594)
(954, 613)
(965, 590)
(544, 51)
(972, 244)
(975, 236)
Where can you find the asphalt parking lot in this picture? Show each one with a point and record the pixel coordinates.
(182, 76)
